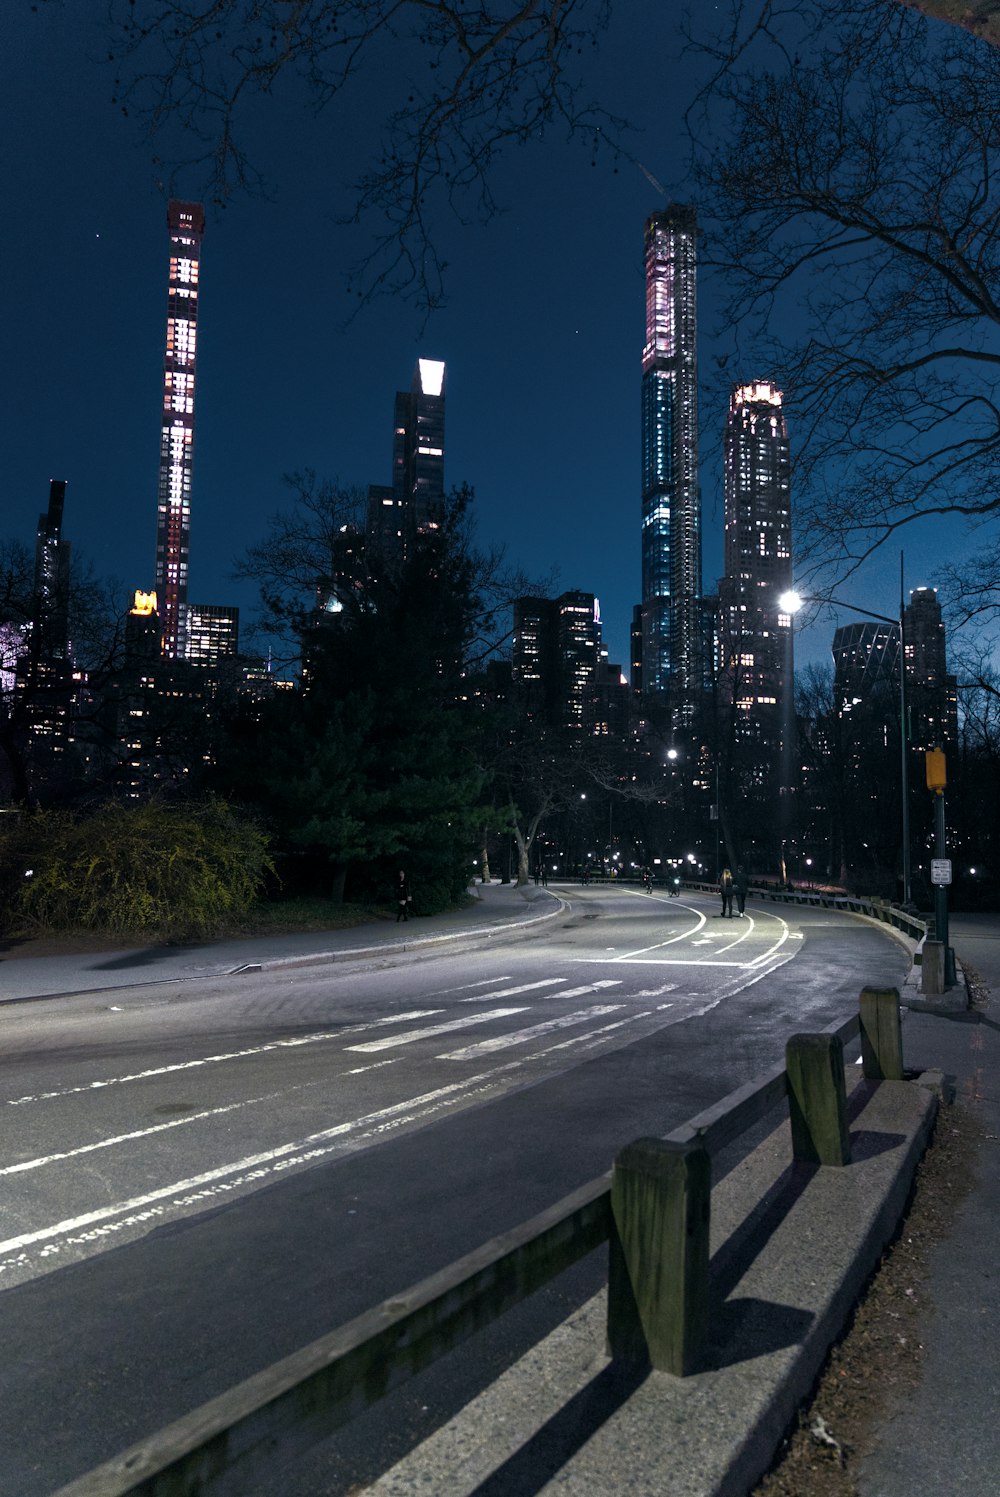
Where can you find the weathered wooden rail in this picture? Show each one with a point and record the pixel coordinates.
(653, 1209)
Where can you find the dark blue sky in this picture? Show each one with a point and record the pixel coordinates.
(542, 335)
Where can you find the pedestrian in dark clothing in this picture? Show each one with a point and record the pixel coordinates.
(726, 890)
(740, 885)
(403, 899)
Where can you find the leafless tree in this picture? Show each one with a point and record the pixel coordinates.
(848, 154)
(465, 79)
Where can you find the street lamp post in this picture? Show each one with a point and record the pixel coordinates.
(791, 602)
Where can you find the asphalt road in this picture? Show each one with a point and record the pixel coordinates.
(201, 1178)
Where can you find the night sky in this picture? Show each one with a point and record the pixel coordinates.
(542, 335)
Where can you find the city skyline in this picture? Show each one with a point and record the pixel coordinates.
(286, 383)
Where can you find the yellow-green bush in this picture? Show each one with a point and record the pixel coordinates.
(176, 871)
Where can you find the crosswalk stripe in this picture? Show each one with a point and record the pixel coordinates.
(408, 1036)
(525, 987)
(522, 1036)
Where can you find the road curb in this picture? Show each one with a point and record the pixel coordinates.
(414, 947)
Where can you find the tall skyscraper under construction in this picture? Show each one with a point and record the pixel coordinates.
(671, 518)
(186, 224)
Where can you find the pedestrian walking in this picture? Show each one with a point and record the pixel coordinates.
(726, 890)
(740, 885)
(403, 896)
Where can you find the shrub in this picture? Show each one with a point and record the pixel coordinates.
(175, 871)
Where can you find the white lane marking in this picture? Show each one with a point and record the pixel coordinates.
(306, 1147)
(409, 1036)
(785, 933)
(639, 959)
(138, 1211)
(463, 987)
(375, 1065)
(124, 1138)
(525, 987)
(212, 1060)
(592, 1036)
(523, 1036)
(658, 945)
(667, 987)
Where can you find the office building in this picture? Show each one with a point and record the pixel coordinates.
(560, 666)
(51, 601)
(866, 674)
(414, 502)
(866, 671)
(932, 694)
(213, 633)
(755, 636)
(44, 684)
(186, 225)
(671, 518)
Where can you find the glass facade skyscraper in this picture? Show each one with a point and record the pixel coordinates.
(186, 224)
(671, 518)
(755, 636)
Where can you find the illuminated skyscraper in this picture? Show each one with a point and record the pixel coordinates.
(186, 223)
(51, 607)
(671, 519)
(560, 663)
(755, 636)
(415, 501)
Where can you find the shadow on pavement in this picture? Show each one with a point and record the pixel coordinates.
(145, 958)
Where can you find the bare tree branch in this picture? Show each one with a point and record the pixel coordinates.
(468, 79)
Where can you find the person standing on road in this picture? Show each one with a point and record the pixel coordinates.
(726, 890)
(740, 884)
(403, 897)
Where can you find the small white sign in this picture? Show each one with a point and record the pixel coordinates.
(940, 870)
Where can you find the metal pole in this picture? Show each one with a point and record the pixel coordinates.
(941, 893)
(904, 768)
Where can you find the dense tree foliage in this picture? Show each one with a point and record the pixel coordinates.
(372, 764)
(176, 871)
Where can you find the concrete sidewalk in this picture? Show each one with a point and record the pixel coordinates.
(946, 1439)
(499, 909)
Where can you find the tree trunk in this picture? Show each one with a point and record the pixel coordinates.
(484, 860)
(339, 880)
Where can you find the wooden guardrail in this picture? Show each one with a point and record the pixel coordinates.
(653, 1209)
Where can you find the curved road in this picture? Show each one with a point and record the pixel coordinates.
(197, 1180)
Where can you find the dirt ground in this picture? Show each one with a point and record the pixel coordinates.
(878, 1361)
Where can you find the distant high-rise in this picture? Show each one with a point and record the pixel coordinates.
(560, 664)
(671, 519)
(51, 605)
(186, 224)
(931, 693)
(212, 634)
(414, 503)
(754, 635)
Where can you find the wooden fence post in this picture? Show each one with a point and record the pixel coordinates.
(658, 1263)
(817, 1099)
(881, 1034)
